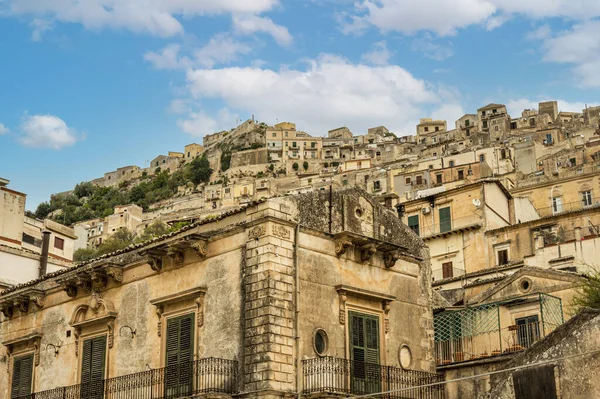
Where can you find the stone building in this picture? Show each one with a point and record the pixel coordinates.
(321, 292)
(92, 233)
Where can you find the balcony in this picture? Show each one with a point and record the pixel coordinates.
(330, 375)
(475, 332)
(204, 376)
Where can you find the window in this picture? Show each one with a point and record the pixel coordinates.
(447, 270)
(468, 132)
(27, 239)
(293, 144)
(274, 134)
(434, 140)
(513, 125)
(451, 164)
(376, 185)
(188, 155)
(496, 128)
(573, 161)
(407, 180)
(494, 111)
(485, 124)
(502, 255)
(438, 178)
(481, 157)
(227, 190)
(528, 330)
(469, 172)
(482, 113)
(445, 222)
(313, 144)
(467, 122)
(437, 129)
(413, 223)
(286, 134)
(320, 342)
(179, 356)
(419, 179)
(481, 140)
(364, 352)
(548, 138)
(22, 377)
(461, 174)
(426, 129)
(59, 243)
(92, 368)
(557, 205)
(586, 198)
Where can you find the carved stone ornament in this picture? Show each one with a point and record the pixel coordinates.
(200, 310)
(390, 258)
(341, 245)
(21, 303)
(98, 311)
(159, 312)
(84, 282)
(343, 298)
(7, 310)
(386, 315)
(70, 289)
(77, 334)
(367, 252)
(31, 341)
(155, 263)
(99, 279)
(38, 300)
(256, 232)
(281, 232)
(115, 273)
(200, 247)
(175, 254)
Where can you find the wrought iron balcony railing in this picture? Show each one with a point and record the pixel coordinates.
(330, 375)
(210, 375)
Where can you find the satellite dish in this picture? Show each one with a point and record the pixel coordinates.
(476, 202)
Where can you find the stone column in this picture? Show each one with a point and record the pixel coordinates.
(269, 302)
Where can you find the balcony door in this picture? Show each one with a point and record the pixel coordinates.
(528, 330)
(92, 368)
(22, 377)
(364, 353)
(179, 356)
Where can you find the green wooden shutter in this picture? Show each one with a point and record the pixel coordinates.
(92, 367)
(364, 353)
(22, 376)
(179, 355)
(445, 221)
(413, 223)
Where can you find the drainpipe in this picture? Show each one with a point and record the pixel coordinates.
(44, 256)
(299, 370)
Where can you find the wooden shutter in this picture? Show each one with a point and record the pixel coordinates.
(413, 223)
(92, 367)
(445, 223)
(364, 341)
(22, 376)
(447, 270)
(179, 355)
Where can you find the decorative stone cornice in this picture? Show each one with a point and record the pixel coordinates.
(33, 340)
(97, 311)
(256, 232)
(21, 301)
(200, 247)
(93, 278)
(194, 293)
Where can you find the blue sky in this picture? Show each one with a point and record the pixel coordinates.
(89, 86)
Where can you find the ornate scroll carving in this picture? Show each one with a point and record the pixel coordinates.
(115, 273)
(36, 351)
(200, 310)
(7, 310)
(159, 312)
(281, 232)
(341, 245)
(386, 315)
(367, 252)
(38, 300)
(70, 289)
(343, 299)
(77, 334)
(390, 258)
(175, 254)
(84, 282)
(155, 263)
(21, 303)
(200, 247)
(256, 232)
(99, 279)
(111, 333)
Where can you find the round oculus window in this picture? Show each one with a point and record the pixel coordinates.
(358, 212)
(525, 285)
(320, 342)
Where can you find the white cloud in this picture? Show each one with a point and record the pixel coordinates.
(157, 17)
(351, 24)
(47, 131)
(39, 26)
(432, 50)
(331, 91)
(3, 129)
(541, 33)
(445, 17)
(516, 106)
(249, 24)
(221, 49)
(199, 124)
(380, 55)
(579, 47)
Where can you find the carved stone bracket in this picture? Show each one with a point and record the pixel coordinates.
(341, 245)
(200, 247)
(390, 258)
(7, 310)
(281, 232)
(256, 232)
(386, 305)
(99, 279)
(343, 298)
(175, 254)
(84, 282)
(155, 263)
(21, 303)
(367, 252)
(38, 299)
(115, 273)
(70, 289)
(21, 300)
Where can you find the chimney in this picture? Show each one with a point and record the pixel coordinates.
(45, 248)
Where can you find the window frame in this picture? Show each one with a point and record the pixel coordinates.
(414, 227)
(20, 358)
(446, 225)
(586, 198)
(61, 241)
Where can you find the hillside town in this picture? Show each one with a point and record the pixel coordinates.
(321, 265)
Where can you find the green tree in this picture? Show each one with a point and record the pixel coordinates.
(155, 229)
(83, 189)
(84, 254)
(588, 295)
(121, 239)
(199, 170)
(305, 165)
(225, 160)
(43, 210)
(271, 167)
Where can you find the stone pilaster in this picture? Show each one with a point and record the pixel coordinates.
(269, 304)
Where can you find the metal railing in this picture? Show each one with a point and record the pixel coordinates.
(566, 207)
(210, 375)
(332, 375)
